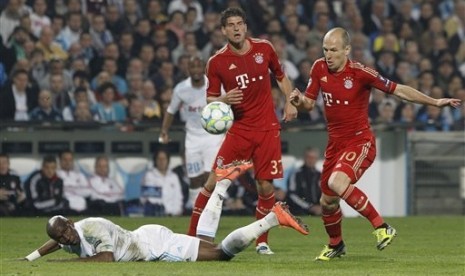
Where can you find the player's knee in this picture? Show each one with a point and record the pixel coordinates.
(328, 205)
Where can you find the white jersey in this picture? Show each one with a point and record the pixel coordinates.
(201, 146)
(147, 243)
(190, 101)
(106, 189)
(75, 188)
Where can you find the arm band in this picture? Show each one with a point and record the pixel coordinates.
(34, 255)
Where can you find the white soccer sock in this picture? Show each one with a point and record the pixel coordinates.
(193, 193)
(210, 217)
(241, 238)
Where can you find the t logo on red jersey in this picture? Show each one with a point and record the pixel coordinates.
(243, 80)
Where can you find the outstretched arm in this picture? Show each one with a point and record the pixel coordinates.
(411, 94)
(290, 111)
(48, 247)
(105, 256)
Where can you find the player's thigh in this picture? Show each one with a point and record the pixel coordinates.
(356, 159)
(211, 146)
(237, 145)
(267, 155)
(351, 158)
(194, 161)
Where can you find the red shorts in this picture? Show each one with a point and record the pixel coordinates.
(353, 157)
(262, 147)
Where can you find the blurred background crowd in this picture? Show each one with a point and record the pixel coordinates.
(117, 61)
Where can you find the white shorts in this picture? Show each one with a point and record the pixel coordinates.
(162, 244)
(201, 152)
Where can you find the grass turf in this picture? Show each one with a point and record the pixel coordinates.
(424, 246)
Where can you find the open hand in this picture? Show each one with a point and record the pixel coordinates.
(447, 101)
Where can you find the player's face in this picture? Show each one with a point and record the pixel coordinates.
(196, 70)
(68, 236)
(335, 52)
(235, 30)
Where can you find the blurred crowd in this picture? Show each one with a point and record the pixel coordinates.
(117, 61)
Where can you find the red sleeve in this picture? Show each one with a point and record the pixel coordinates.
(374, 79)
(313, 86)
(274, 65)
(214, 82)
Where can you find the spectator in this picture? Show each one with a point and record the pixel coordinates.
(386, 110)
(110, 66)
(155, 13)
(84, 113)
(101, 36)
(135, 82)
(81, 79)
(161, 190)
(142, 34)
(297, 51)
(303, 189)
(135, 112)
(9, 19)
(45, 111)
(147, 56)
(50, 48)
(113, 21)
(70, 111)
(407, 116)
(203, 34)
(215, 43)
(11, 194)
(433, 120)
(152, 109)
(38, 17)
(17, 99)
(108, 109)
(183, 6)
(73, 30)
(44, 190)
(56, 66)
(107, 194)
(131, 14)
(17, 42)
(60, 95)
(76, 188)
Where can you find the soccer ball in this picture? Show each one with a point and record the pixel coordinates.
(217, 117)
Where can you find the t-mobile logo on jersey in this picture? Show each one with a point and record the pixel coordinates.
(243, 80)
(328, 99)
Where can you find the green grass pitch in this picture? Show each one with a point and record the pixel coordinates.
(424, 246)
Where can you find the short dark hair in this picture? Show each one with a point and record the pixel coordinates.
(48, 159)
(102, 88)
(230, 12)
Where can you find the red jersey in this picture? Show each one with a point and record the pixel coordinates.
(346, 95)
(250, 72)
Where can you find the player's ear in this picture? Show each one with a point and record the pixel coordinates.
(348, 49)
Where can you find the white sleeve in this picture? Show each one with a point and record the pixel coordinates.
(176, 101)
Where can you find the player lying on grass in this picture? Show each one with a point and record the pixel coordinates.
(100, 240)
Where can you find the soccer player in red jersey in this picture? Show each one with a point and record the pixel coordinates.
(243, 68)
(345, 86)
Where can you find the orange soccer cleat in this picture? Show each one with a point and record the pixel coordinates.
(233, 170)
(285, 218)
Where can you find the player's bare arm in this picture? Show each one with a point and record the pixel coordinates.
(233, 96)
(411, 94)
(167, 121)
(298, 100)
(103, 257)
(48, 247)
(290, 111)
